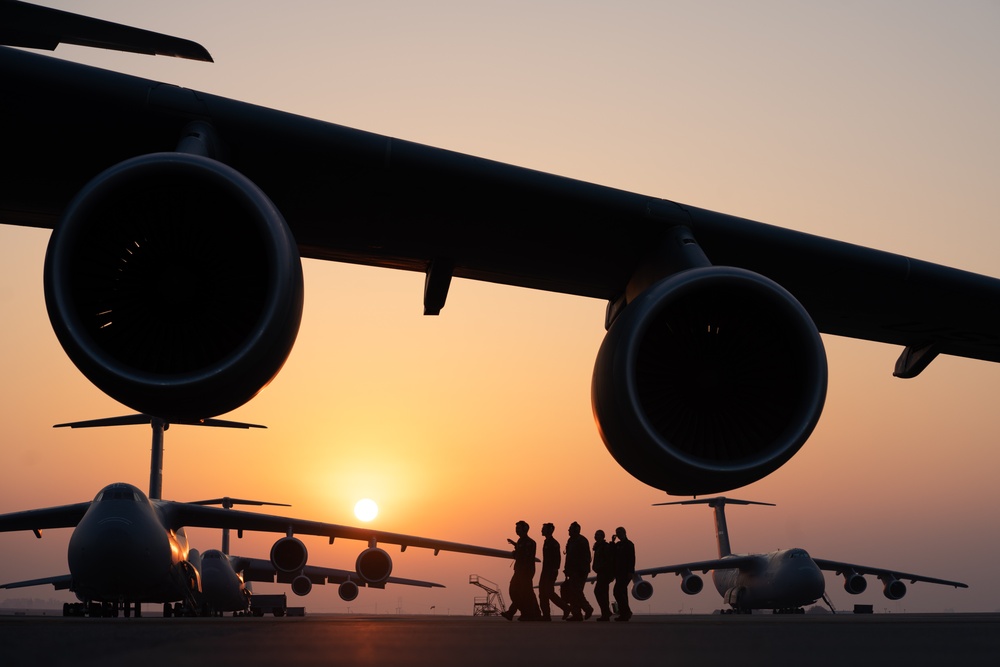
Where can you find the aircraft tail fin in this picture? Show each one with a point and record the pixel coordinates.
(158, 425)
(718, 503)
(34, 27)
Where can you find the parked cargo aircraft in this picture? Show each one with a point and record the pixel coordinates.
(783, 580)
(173, 277)
(128, 548)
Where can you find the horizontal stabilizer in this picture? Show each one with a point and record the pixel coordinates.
(228, 502)
(34, 27)
(132, 420)
(718, 501)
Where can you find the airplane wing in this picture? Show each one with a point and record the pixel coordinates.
(731, 563)
(260, 569)
(119, 165)
(839, 568)
(61, 582)
(34, 27)
(354, 196)
(63, 516)
(177, 515)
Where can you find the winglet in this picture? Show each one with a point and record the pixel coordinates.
(34, 27)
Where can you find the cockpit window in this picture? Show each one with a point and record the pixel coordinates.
(116, 493)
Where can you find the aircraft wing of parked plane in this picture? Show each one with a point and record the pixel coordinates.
(840, 568)
(691, 293)
(127, 549)
(263, 570)
(783, 580)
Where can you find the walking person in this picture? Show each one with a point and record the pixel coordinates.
(576, 571)
(604, 568)
(551, 559)
(522, 594)
(624, 571)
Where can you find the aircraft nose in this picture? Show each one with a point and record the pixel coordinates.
(812, 580)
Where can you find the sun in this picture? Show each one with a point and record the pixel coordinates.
(366, 509)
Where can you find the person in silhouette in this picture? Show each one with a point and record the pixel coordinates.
(624, 570)
(551, 559)
(576, 571)
(604, 568)
(522, 594)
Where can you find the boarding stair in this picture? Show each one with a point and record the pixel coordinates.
(492, 603)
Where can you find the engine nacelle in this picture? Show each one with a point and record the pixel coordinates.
(893, 588)
(709, 380)
(302, 585)
(289, 555)
(174, 285)
(642, 590)
(854, 583)
(348, 591)
(373, 566)
(691, 583)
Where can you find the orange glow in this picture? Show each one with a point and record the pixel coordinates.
(875, 126)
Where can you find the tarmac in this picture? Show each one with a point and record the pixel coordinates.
(443, 641)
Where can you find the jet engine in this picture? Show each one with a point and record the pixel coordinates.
(893, 588)
(708, 380)
(373, 566)
(289, 555)
(854, 583)
(348, 591)
(302, 585)
(174, 285)
(642, 590)
(691, 583)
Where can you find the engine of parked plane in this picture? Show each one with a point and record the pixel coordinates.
(302, 585)
(691, 583)
(348, 591)
(174, 285)
(893, 588)
(709, 380)
(289, 555)
(373, 566)
(642, 590)
(854, 583)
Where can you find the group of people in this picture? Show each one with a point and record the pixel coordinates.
(612, 561)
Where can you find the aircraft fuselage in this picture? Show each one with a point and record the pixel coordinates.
(223, 588)
(121, 551)
(784, 579)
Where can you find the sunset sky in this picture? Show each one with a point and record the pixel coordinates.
(871, 122)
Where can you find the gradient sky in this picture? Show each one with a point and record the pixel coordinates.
(873, 122)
